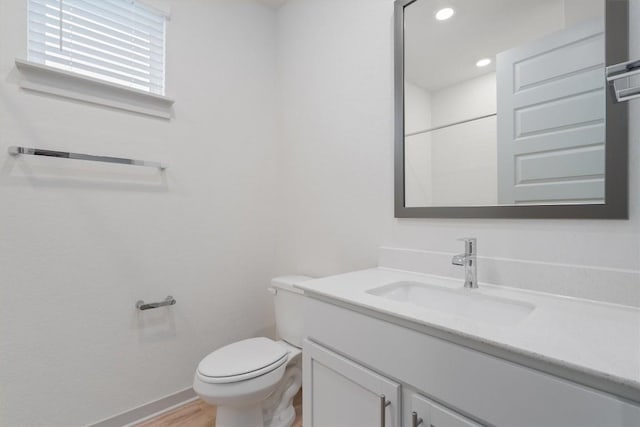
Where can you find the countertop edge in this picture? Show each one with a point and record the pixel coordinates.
(617, 386)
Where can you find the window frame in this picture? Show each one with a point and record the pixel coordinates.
(36, 76)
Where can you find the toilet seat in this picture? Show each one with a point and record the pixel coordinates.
(242, 360)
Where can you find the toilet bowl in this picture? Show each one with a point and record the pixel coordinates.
(253, 382)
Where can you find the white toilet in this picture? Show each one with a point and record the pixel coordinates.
(253, 382)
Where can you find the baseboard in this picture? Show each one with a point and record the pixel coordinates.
(149, 410)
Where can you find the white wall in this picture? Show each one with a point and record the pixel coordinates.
(468, 99)
(337, 150)
(455, 165)
(465, 156)
(418, 159)
(464, 167)
(81, 242)
(577, 11)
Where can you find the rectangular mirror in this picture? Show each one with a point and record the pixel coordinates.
(503, 110)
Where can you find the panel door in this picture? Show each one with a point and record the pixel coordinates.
(340, 393)
(433, 415)
(551, 118)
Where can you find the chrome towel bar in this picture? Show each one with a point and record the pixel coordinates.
(141, 305)
(15, 150)
(625, 70)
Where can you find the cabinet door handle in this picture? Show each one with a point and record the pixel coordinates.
(383, 410)
(415, 421)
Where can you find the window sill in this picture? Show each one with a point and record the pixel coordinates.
(45, 79)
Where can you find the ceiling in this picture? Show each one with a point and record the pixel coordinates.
(443, 53)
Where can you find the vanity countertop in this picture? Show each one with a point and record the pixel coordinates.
(593, 343)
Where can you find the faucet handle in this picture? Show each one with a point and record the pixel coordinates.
(470, 245)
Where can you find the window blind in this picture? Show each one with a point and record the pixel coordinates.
(118, 41)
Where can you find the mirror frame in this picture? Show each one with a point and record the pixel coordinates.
(616, 204)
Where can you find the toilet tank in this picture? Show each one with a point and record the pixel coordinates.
(288, 303)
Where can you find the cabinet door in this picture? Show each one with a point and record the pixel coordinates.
(434, 415)
(340, 393)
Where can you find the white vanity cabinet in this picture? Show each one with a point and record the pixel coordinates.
(342, 393)
(352, 357)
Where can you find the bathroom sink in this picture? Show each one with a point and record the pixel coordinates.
(462, 302)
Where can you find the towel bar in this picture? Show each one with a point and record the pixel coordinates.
(15, 150)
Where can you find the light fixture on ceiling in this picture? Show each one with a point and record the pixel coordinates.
(483, 62)
(445, 13)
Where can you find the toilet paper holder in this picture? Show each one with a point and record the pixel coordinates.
(141, 305)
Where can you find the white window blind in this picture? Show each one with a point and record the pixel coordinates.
(118, 41)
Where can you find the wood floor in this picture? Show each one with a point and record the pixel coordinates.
(200, 414)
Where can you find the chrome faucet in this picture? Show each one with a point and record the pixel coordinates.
(469, 261)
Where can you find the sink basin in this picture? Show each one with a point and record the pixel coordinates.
(466, 303)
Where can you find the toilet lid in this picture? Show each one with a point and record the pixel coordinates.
(243, 358)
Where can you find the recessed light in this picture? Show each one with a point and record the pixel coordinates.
(445, 13)
(483, 62)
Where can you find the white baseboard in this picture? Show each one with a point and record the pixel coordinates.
(149, 410)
